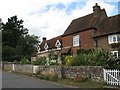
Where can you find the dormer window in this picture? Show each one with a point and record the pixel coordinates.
(46, 46)
(58, 44)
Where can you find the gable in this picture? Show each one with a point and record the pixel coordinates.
(58, 44)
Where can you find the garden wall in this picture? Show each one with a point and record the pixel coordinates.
(23, 68)
(92, 72)
(70, 72)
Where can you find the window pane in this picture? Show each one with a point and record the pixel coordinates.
(76, 40)
(114, 39)
(110, 39)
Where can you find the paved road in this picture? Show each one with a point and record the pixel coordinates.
(13, 80)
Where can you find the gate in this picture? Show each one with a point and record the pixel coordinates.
(112, 76)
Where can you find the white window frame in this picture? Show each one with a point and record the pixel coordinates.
(46, 46)
(110, 38)
(58, 44)
(113, 53)
(76, 40)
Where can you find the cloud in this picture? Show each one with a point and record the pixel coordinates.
(48, 18)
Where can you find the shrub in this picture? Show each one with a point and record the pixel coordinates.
(49, 77)
(52, 62)
(40, 61)
(98, 57)
(69, 60)
(24, 61)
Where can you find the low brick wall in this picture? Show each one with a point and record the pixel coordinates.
(92, 72)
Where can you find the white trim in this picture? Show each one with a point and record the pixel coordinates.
(76, 40)
(58, 44)
(46, 46)
(113, 38)
(115, 52)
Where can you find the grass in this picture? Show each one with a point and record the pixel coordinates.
(85, 84)
(80, 84)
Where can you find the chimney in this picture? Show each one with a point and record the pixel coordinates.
(44, 38)
(96, 9)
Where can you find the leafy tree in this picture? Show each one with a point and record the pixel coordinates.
(17, 43)
(12, 31)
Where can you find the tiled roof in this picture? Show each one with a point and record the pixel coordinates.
(51, 43)
(101, 22)
(109, 26)
(83, 23)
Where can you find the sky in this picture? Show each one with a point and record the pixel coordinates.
(50, 18)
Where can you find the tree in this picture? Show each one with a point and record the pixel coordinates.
(12, 31)
(17, 43)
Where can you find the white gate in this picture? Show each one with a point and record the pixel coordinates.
(112, 76)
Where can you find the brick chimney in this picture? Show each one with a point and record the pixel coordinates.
(96, 9)
(44, 38)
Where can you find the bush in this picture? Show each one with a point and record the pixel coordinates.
(24, 61)
(98, 57)
(69, 60)
(49, 77)
(52, 62)
(40, 61)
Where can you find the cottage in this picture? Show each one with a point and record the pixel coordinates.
(92, 31)
(95, 30)
(50, 48)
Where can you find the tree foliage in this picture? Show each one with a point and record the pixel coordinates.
(16, 42)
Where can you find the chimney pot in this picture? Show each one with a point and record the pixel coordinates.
(44, 38)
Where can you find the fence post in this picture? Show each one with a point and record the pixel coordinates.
(13, 66)
(104, 74)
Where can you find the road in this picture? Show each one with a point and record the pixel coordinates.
(13, 80)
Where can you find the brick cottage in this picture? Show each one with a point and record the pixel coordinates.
(92, 31)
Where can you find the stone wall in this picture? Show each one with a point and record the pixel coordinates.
(18, 67)
(23, 68)
(50, 70)
(8, 66)
(92, 72)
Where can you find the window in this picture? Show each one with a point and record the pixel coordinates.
(76, 40)
(45, 46)
(58, 44)
(118, 37)
(114, 38)
(116, 54)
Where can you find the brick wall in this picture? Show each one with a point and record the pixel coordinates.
(103, 43)
(67, 41)
(86, 39)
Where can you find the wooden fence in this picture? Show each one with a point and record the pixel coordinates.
(112, 76)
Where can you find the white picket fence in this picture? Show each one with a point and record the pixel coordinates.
(112, 76)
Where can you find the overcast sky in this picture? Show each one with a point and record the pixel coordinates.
(50, 18)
